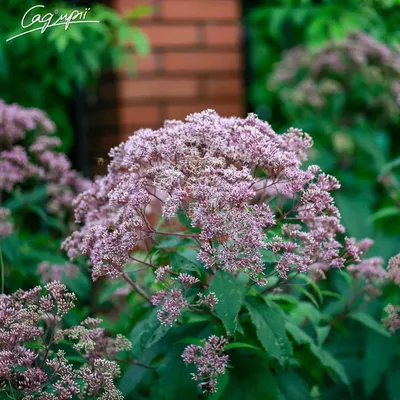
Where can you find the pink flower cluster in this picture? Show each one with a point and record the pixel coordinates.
(392, 321)
(27, 158)
(5, 225)
(29, 363)
(244, 189)
(15, 121)
(56, 272)
(309, 78)
(218, 170)
(173, 299)
(210, 361)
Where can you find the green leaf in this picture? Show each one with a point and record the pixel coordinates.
(323, 356)
(140, 11)
(267, 256)
(270, 328)
(377, 360)
(170, 241)
(110, 289)
(78, 359)
(240, 345)
(307, 294)
(313, 285)
(183, 218)
(369, 322)
(327, 360)
(230, 296)
(131, 378)
(185, 259)
(192, 340)
(147, 332)
(27, 199)
(250, 378)
(293, 387)
(174, 378)
(306, 311)
(355, 219)
(392, 384)
(385, 213)
(390, 165)
(80, 284)
(328, 293)
(322, 334)
(299, 336)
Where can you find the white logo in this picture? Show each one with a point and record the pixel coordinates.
(50, 20)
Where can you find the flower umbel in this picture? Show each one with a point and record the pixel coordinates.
(209, 360)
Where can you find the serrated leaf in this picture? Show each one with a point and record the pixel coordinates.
(323, 356)
(299, 336)
(329, 361)
(147, 332)
(270, 329)
(369, 322)
(185, 259)
(230, 294)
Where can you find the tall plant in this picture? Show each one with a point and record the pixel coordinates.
(37, 187)
(231, 248)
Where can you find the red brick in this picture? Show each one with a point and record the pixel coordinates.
(202, 61)
(200, 9)
(222, 35)
(146, 63)
(138, 115)
(162, 35)
(223, 87)
(142, 64)
(226, 110)
(158, 88)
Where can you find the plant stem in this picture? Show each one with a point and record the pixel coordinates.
(135, 287)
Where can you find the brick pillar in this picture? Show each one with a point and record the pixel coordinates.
(196, 63)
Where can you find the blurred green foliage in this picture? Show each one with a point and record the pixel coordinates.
(45, 70)
(363, 154)
(278, 25)
(355, 154)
